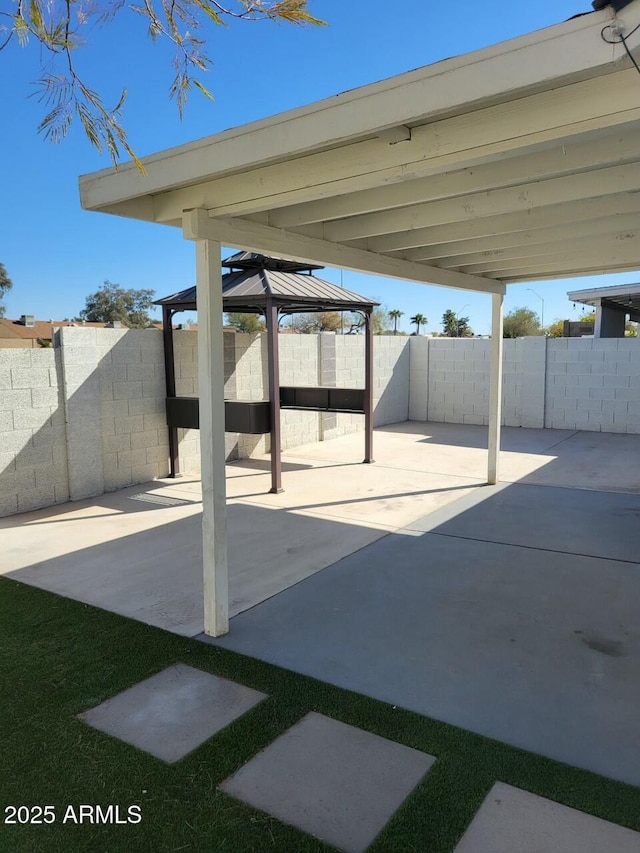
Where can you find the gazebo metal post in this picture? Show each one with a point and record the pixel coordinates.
(170, 380)
(368, 387)
(274, 396)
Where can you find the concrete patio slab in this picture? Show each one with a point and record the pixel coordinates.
(538, 649)
(334, 781)
(520, 638)
(514, 821)
(587, 460)
(155, 574)
(138, 552)
(373, 495)
(597, 524)
(173, 712)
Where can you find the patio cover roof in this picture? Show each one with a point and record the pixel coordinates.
(517, 162)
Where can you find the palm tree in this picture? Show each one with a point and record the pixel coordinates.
(419, 320)
(395, 315)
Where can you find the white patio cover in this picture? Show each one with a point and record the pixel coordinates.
(518, 162)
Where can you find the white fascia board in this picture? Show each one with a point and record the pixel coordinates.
(255, 237)
(597, 293)
(572, 50)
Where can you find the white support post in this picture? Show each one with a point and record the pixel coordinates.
(212, 423)
(495, 387)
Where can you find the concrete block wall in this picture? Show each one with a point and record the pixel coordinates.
(33, 442)
(300, 364)
(391, 373)
(132, 424)
(593, 384)
(418, 378)
(88, 415)
(450, 381)
(564, 383)
(349, 373)
(391, 370)
(325, 359)
(185, 344)
(457, 380)
(524, 382)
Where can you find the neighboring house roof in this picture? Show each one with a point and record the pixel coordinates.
(624, 297)
(43, 328)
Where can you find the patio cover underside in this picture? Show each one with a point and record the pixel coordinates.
(519, 162)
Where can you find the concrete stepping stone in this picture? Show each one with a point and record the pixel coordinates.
(334, 781)
(514, 821)
(173, 712)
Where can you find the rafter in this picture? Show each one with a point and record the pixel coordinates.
(609, 149)
(495, 260)
(477, 248)
(525, 197)
(554, 215)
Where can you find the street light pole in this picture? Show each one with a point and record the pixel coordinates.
(542, 311)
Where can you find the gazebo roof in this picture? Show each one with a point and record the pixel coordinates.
(248, 288)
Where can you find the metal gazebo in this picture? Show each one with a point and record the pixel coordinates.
(274, 287)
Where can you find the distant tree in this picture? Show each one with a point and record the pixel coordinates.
(381, 320)
(418, 320)
(395, 315)
(555, 329)
(455, 327)
(380, 317)
(112, 303)
(631, 330)
(521, 322)
(328, 321)
(304, 324)
(245, 322)
(5, 285)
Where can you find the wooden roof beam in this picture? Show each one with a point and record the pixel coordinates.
(254, 237)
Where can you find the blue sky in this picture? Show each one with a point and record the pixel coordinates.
(56, 253)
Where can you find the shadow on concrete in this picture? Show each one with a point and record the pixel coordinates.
(474, 624)
(155, 575)
(123, 501)
(374, 498)
(513, 439)
(262, 465)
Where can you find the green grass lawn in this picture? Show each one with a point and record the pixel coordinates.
(60, 658)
